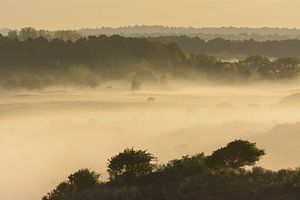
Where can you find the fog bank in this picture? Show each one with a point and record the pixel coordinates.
(47, 134)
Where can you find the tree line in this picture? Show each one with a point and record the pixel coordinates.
(36, 62)
(223, 175)
(83, 62)
(214, 41)
(225, 47)
(229, 33)
(29, 32)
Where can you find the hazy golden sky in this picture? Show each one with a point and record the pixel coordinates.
(55, 14)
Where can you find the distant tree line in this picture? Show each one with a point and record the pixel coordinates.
(135, 174)
(168, 30)
(250, 69)
(84, 61)
(249, 47)
(29, 32)
(35, 61)
(210, 41)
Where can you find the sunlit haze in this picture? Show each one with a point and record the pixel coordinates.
(149, 99)
(57, 14)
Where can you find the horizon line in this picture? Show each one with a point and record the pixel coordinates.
(163, 26)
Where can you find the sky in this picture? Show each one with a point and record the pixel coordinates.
(74, 14)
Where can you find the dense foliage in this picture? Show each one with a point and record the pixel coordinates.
(34, 62)
(130, 163)
(191, 177)
(220, 46)
(220, 42)
(38, 62)
(235, 155)
(77, 183)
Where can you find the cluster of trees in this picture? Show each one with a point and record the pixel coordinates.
(221, 46)
(84, 61)
(135, 174)
(210, 41)
(231, 33)
(29, 32)
(35, 62)
(251, 68)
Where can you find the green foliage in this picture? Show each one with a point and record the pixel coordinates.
(236, 154)
(131, 164)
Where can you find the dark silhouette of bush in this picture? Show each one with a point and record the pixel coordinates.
(188, 178)
(187, 164)
(130, 164)
(78, 182)
(236, 154)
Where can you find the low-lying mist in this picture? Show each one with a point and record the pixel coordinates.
(47, 134)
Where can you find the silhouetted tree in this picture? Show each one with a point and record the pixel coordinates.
(236, 154)
(83, 179)
(80, 181)
(187, 165)
(131, 164)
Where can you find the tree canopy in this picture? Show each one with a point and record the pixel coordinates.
(236, 154)
(80, 181)
(131, 164)
(35, 62)
(189, 177)
(221, 46)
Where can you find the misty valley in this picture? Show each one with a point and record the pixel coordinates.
(87, 116)
(52, 132)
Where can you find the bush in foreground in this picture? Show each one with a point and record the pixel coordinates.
(189, 178)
